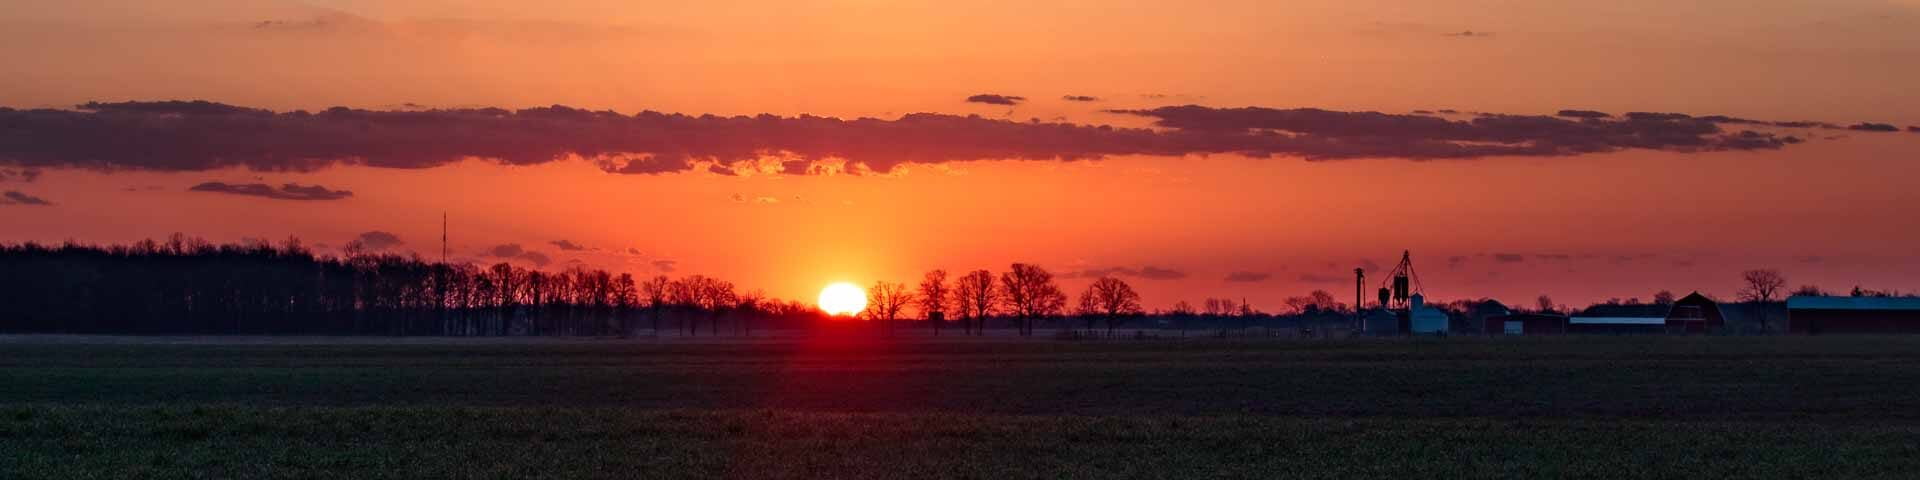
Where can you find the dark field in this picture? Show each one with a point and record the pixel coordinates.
(1700, 407)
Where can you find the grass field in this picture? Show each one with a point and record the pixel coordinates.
(1703, 407)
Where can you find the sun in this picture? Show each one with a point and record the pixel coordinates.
(843, 299)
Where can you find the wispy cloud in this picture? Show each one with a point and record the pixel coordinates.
(290, 191)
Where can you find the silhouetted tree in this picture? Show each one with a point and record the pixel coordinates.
(974, 297)
(1544, 304)
(933, 298)
(1182, 313)
(1111, 299)
(1663, 298)
(885, 300)
(1762, 286)
(1029, 294)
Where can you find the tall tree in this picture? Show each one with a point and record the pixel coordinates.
(1762, 286)
(1030, 294)
(1114, 300)
(885, 300)
(974, 296)
(933, 298)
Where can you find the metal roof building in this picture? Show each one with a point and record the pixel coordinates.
(1616, 325)
(1817, 315)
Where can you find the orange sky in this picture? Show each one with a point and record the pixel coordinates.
(1830, 212)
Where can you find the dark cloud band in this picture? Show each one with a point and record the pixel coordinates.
(199, 136)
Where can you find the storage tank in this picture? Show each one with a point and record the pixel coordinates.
(1424, 319)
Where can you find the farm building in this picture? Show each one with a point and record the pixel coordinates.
(1821, 315)
(1616, 325)
(1695, 313)
(1425, 320)
(1525, 324)
(1380, 321)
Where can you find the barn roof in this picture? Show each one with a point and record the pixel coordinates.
(1617, 320)
(1852, 303)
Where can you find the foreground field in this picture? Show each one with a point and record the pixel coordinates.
(1513, 408)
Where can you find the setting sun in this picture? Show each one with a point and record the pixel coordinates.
(843, 299)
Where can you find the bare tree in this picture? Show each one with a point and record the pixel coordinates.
(1762, 287)
(975, 296)
(746, 306)
(1030, 294)
(654, 292)
(1544, 303)
(1664, 297)
(885, 300)
(933, 298)
(1113, 300)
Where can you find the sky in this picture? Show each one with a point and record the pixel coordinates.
(1243, 149)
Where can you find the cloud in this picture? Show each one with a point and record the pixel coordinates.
(1320, 278)
(994, 99)
(1509, 257)
(1080, 98)
(1326, 134)
(633, 251)
(536, 258)
(25, 175)
(1456, 261)
(1248, 277)
(506, 251)
(1554, 257)
(1873, 127)
(378, 240)
(1149, 272)
(1914, 129)
(290, 191)
(16, 198)
(567, 245)
(1583, 114)
(665, 266)
(201, 136)
(1468, 34)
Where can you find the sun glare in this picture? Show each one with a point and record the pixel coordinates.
(843, 299)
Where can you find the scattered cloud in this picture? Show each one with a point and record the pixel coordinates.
(506, 251)
(1873, 127)
(1248, 277)
(995, 99)
(24, 175)
(1456, 261)
(536, 258)
(290, 191)
(1469, 34)
(16, 198)
(1080, 98)
(1509, 257)
(567, 245)
(1323, 278)
(1149, 272)
(1583, 114)
(633, 251)
(379, 240)
(665, 266)
(1553, 257)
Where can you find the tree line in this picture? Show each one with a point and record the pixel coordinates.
(190, 286)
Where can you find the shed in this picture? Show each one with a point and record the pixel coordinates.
(1824, 315)
(1380, 321)
(1525, 324)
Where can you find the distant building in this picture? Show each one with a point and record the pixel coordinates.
(1591, 325)
(1824, 315)
(1380, 322)
(1425, 320)
(1525, 324)
(1695, 313)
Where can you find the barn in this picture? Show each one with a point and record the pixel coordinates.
(1695, 313)
(1827, 315)
(1525, 324)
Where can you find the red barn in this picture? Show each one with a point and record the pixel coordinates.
(1695, 313)
(1817, 315)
